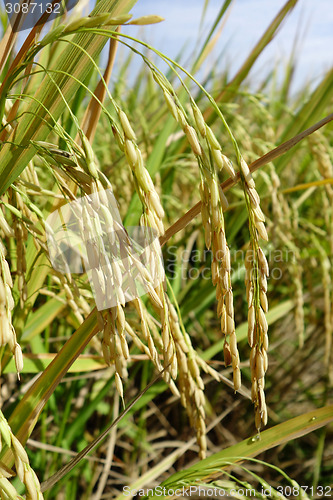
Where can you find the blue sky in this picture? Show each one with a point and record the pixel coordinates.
(311, 22)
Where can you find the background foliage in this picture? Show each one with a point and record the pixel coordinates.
(46, 94)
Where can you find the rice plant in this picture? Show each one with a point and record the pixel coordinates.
(161, 365)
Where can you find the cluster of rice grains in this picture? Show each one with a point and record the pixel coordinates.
(320, 150)
(179, 358)
(190, 383)
(8, 337)
(7, 332)
(22, 466)
(97, 220)
(213, 204)
(257, 271)
(153, 211)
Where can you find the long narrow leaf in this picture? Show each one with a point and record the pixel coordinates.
(212, 466)
(46, 107)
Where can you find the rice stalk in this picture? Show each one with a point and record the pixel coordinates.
(257, 271)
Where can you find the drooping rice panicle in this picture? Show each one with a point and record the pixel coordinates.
(213, 204)
(150, 200)
(326, 269)
(190, 383)
(23, 469)
(7, 332)
(257, 272)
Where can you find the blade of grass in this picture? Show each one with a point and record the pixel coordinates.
(202, 54)
(46, 107)
(93, 111)
(68, 467)
(36, 363)
(42, 317)
(212, 466)
(310, 111)
(242, 73)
